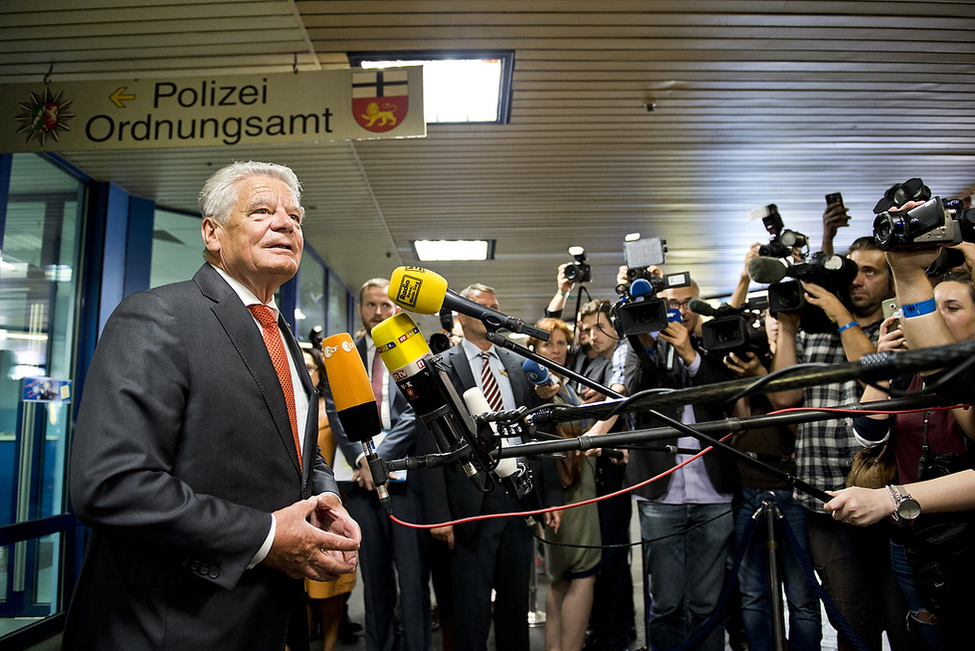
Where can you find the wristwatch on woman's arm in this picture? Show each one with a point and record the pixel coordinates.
(905, 506)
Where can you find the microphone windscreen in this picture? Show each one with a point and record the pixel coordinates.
(700, 306)
(640, 287)
(399, 341)
(535, 372)
(417, 290)
(766, 270)
(477, 404)
(351, 389)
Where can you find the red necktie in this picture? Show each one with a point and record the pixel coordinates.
(275, 347)
(377, 381)
(492, 392)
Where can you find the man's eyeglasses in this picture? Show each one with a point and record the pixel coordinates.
(679, 305)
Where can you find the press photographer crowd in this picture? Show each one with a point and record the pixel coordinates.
(813, 492)
(871, 502)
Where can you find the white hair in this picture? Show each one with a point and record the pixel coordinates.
(219, 194)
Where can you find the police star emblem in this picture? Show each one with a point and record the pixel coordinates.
(44, 115)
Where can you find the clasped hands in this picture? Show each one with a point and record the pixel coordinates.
(315, 538)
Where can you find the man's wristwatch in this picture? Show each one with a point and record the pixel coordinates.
(905, 506)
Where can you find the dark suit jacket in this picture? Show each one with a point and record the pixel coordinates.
(447, 492)
(401, 439)
(643, 464)
(182, 450)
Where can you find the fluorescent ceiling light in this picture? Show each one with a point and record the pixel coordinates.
(458, 87)
(433, 250)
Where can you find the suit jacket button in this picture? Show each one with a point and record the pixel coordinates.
(214, 572)
(204, 569)
(195, 565)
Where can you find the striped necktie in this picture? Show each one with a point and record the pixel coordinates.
(492, 392)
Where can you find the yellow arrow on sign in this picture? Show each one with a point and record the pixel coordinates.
(117, 97)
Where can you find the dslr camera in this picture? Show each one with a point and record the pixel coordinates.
(579, 271)
(782, 240)
(934, 222)
(639, 311)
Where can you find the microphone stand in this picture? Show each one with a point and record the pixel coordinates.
(702, 431)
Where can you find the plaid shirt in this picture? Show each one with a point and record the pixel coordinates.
(825, 449)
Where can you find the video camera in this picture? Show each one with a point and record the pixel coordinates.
(934, 222)
(733, 329)
(579, 271)
(783, 241)
(831, 272)
(638, 311)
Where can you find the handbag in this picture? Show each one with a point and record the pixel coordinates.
(873, 467)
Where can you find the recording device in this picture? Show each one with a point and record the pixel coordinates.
(900, 193)
(733, 329)
(537, 374)
(890, 308)
(831, 272)
(782, 240)
(641, 254)
(356, 404)
(513, 473)
(935, 222)
(427, 388)
(638, 311)
(834, 198)
(439, 342)
(578, 271)
(425, 292)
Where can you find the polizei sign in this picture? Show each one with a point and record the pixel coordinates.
(212, 111)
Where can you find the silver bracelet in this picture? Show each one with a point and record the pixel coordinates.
(895, 498)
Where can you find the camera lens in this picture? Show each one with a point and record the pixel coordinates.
(888, 229)
(572, 272)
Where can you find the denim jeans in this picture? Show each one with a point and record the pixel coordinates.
(685, 571)
(944, 635)
(805, 623)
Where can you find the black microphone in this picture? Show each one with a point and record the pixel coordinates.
(425, 292)
(429, 391)
(702, 307)
(356, 404)
(766, 270)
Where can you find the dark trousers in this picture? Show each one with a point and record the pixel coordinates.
(613, 617)
(495, 553)
(393, 562)
(854, 566)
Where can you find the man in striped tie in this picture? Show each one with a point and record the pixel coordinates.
(493, 553)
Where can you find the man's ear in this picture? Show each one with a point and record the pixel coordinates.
(209, 230)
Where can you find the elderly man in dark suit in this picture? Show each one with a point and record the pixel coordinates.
(194, 458)
(494, 553)
(393, 556)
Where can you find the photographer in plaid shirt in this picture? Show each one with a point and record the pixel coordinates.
(852, 562)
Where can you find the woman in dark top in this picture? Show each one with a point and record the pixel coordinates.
(926, 444)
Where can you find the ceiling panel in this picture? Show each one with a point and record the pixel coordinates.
(754, 102)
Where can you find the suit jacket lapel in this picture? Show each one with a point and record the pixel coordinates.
(238, 323)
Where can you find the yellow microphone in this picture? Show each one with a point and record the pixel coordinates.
(425, 292)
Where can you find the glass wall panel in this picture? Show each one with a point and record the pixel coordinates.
(338, 307)
(177, 247)
(312, 295)
(39, 279)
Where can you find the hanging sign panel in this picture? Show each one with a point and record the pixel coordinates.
(212, 111)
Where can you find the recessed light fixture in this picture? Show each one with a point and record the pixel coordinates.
(434, 250)
(458, 86)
